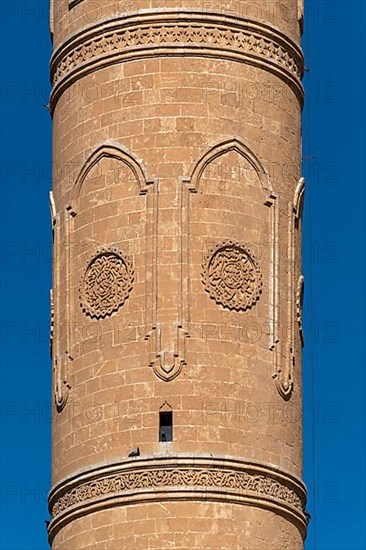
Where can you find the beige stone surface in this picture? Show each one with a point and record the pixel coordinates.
(181, 525)
(177, 199)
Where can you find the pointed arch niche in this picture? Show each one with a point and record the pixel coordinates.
(229, 197)
(109, 213)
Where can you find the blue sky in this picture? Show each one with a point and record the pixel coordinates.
(334, 267)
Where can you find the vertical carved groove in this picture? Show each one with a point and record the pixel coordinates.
(52, 298)
(297, 208)
(283, 373)
(167, 365)
(288, 379)
(61, 385)
(69, 235)
(273, 271)
(56, 347)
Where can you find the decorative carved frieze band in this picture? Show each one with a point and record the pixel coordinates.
(176, 32)
(231, 276)
(106, 283)
(181, 477)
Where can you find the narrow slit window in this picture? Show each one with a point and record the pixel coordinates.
(166, 426)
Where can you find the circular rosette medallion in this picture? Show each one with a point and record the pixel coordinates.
(231, 276)
(106, 283)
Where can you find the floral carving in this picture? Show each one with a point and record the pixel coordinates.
(214, 478)
(106, 283)
(173, 35)
(231, 276)
(114, 41)
(179, 478)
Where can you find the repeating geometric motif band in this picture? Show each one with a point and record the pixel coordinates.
(163, 478)
(176, 32)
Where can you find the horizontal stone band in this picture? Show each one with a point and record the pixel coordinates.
(174, 478)
(179, 33)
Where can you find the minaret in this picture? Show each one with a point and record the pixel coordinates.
(176, 328)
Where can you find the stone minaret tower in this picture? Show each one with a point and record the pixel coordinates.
(177, 294)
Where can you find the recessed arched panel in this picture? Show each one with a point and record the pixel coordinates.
(229, 193)
(108, 247)
(118, 153)
(223, 148)
(230, 232)
(232, 262)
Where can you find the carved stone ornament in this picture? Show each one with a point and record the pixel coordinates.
(231, 276)
(299, 307)
(178, 478)
(106, 283)
(140, 35)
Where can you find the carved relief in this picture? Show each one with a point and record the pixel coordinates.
(231, 276)
(284, 371)
(61, 385)
(271, 214)
(58, 344)
(109, 151)
(299, 307)
(176, 34)
(167, 340)
(106, 283)
(52, 321)
(113, 272)
(52, 303)
(274, 286)
(192, 187)
(167, 365)
(298, 202)
(285, 358)
(142, 35)
(179, 477)
(52, 209)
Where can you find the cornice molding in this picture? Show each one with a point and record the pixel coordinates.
(156, 479)
(176, 33)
